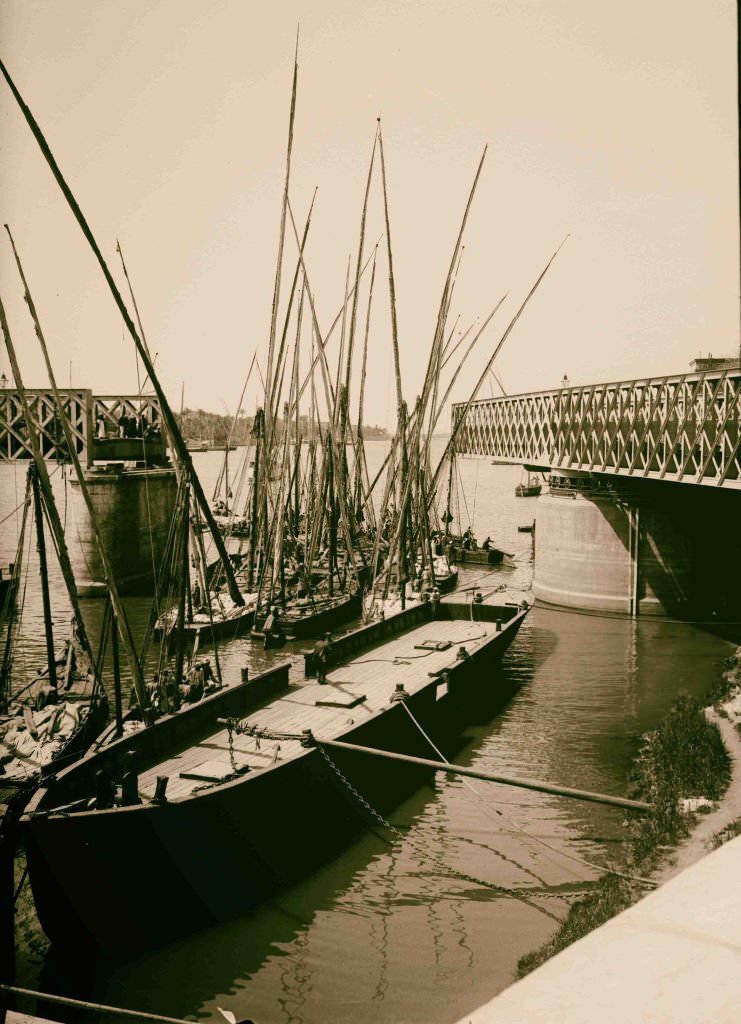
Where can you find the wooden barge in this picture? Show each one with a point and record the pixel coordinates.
(315, 615)
(247, 812)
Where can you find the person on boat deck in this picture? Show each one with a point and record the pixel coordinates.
(192, 691)
(172, 694)
(322, 651)
(196, 595)
(272, 629)
(152, 691)
(487, 544)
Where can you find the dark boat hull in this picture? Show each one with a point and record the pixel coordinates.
(206, 631)
(124, 879)
(304, 627)
(448, 582)
(476, 556)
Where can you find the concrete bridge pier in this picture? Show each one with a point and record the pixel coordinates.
(632, 547)
(134, 509)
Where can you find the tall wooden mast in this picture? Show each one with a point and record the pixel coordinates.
(53, 519)
(44, 572)
(120, 618)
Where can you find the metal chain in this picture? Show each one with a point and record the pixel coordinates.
(232, 758)
(451, 872)
(358, 796)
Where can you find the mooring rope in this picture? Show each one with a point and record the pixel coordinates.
(575, 857)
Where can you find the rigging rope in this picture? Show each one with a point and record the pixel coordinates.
(423, 852)
(518, 828)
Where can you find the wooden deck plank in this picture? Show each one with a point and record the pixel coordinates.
(373, 674)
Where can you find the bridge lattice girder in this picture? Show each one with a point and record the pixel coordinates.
(84, 412)
(14, 430)
(682, 428)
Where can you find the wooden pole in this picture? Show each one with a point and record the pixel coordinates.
(52, 512)
(12, 600)
(168, 416)
(183, 591)
(504, 780)
(44, 573)
(116, 655)
(392, 284)
(358, 266)
(258, 431)
(489, 364)
(110, 581)
(281, 241)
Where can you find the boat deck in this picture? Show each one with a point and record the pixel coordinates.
(354, 690)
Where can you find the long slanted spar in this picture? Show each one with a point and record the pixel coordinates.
(173, 430)
(121, 618)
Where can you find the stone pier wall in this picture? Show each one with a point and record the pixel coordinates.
(653, 550)
(134, 509)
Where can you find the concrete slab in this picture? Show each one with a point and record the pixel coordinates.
(673, 958)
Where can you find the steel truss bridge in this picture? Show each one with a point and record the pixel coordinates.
(94, 421)
(685, 429)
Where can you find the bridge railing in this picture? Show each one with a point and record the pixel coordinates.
(99, 425)
(684, 428)
(14, 430)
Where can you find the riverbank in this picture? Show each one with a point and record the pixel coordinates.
(704, 836)
(689, 768)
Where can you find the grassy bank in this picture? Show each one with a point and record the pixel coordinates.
(683, 758)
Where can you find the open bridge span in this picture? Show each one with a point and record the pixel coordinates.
(642, 511)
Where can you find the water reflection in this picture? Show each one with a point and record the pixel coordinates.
(391, 930)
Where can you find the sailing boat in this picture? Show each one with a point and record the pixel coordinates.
(49, 720)
(203, 609)
(530, 487)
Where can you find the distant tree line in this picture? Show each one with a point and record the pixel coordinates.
(199, 425)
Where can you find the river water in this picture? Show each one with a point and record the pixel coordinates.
(391, 931)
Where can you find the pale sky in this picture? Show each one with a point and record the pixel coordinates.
(613, 123)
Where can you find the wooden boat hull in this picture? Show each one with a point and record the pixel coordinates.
(528, 490)
(73, 749)
(447, 582)
(126, 878)
(233, 626)
(476, 556)
(314, 623)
